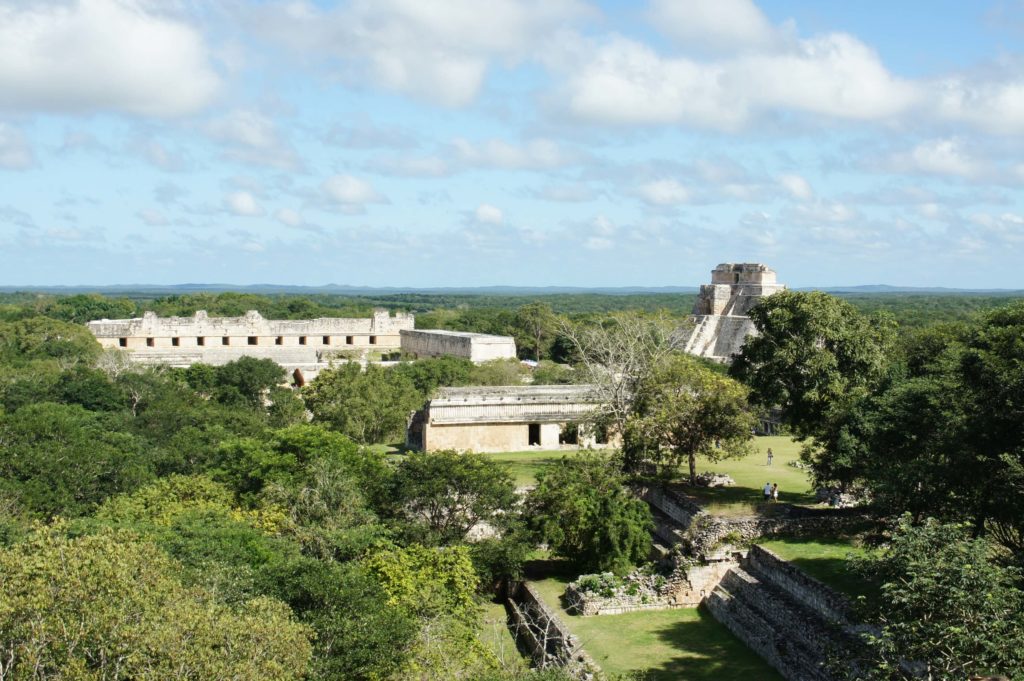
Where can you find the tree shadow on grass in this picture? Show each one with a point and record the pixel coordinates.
(710, 653)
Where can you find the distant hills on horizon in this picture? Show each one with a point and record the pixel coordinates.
(341, 289)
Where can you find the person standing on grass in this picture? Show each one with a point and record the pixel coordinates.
(770, 456)
(775, 492)
(767, 491)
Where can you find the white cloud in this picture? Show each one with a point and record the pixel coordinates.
(939, 157)
(835, 75)
(439, 51)
(243, 204)
(96, 55)
(15, 149)
(715, 25)
(289, 217)
(351, 192)
(598, 243)
(992, 103)
(666, 192)
(798, 187)
(251, 137)
(535, 154)
(489, 215)
(1005, 230)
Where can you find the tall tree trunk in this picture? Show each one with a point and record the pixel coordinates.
(693, 468)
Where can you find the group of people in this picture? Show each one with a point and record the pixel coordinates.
(771, 491)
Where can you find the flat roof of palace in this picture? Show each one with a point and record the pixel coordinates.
(460, 334)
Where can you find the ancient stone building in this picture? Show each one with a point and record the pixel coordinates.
(505, 418)
(478, 347)
(307, 344)
(720, 313)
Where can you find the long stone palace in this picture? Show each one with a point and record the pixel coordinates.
(309, 345)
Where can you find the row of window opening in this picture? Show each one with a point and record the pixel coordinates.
(250, 340)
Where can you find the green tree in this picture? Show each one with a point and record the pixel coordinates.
(536, 323)
(359, 634)
(820, 361)
(813, 352)
(330, 516)
(132, 617)
(44, 338)
(369, 406)
(431, 373)
(86, 307)
(582, 509)
(685, 410)
(947, 608)
(438, 587)
(63, 460)
(498, 372)
(247, 379)
(444, 494)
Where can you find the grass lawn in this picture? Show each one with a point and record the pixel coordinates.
(525, 465)
(825, 559)
(751, 473)
(495, 635)
(687, 643)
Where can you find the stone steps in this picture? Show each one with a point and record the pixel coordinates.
(806, 629)
(791, 637)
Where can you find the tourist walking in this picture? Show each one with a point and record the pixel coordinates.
(775, 492)
(770, 456)
(767, 491)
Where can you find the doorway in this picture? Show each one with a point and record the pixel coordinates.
(534, 434)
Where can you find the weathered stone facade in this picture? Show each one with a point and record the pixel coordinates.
(477, 347)
(505, 418)
(721, 324)
(307, 344)
(680, 522)
(793, 621)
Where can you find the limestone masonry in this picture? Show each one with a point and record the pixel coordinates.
(720, 313)
(505, 418)
(308, 344)
(478, 347)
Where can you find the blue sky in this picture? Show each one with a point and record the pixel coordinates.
(533, 142)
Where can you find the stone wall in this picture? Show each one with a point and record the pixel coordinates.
(548, 641)
(679, 520)
(486, 437)
(182, 341)
(794, 622)
(477, 347)
(685, 587)
(828, 603)
(709, 531)
(505, 418)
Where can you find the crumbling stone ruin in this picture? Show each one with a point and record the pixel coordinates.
(721, 324)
